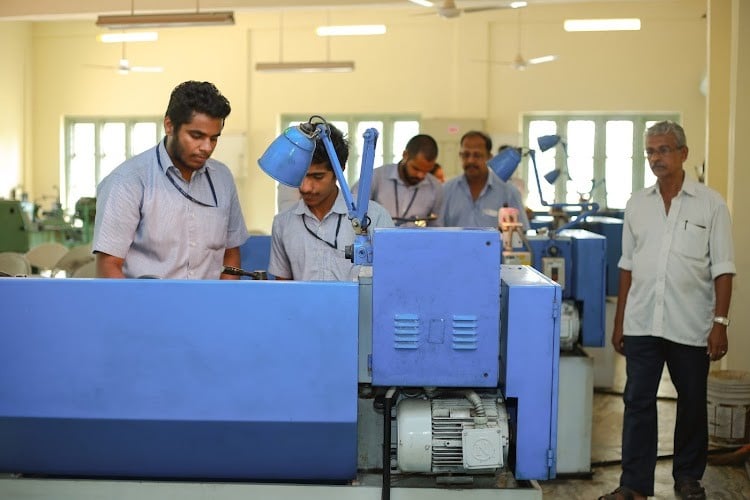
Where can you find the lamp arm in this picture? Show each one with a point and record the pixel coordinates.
(588, 209)
(532, 154)
(325, 136)
(365, 177)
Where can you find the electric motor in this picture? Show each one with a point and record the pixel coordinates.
(452, 435)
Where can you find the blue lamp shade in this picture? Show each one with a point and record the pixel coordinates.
(552, 175)
(288, 157)
(548, 142)
(505, 163)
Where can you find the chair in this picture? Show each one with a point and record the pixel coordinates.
(44, 256)
(74, 258)
(87, 270)
(14, 264)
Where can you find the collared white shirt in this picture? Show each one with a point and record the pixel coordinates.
(674, 259)
(297, 254)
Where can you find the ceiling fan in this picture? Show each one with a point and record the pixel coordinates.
(520, 62)
(448, 10)
(123, 67)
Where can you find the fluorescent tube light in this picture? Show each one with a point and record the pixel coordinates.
(133, 36)
(351, 30)
(306, 67)
(602, 25)
(423, 3)
(165, 20)
(518, 5)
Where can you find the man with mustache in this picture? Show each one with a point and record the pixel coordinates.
(475, 198)
(171, 212)
(676, 275)
(308, 240)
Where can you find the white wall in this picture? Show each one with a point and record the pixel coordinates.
(424, 65)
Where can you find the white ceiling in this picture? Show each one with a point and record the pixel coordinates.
(40, 10)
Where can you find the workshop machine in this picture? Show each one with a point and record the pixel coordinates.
(452, 379)
(577, 260)
(434, 376)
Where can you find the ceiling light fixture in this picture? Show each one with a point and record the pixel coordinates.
(133, 36)
(602, 25)
(518, 5)
(303, 66)
(423, 3)
(351, 30)
(167, 20)
(306, 67)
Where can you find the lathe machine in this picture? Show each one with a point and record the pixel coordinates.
(435, 376)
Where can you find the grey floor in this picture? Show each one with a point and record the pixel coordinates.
(725, 482)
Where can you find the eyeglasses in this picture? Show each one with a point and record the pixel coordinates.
(662, 151)
(477, 155)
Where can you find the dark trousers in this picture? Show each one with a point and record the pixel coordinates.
(688, 368)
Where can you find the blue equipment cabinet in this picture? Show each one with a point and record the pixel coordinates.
(576, 258)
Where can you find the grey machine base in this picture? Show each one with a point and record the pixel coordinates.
(368, 487)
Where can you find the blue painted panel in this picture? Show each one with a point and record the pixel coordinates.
(530, 356)
(255, 253)
(436, 297)
(590, 252)
(585, 265)
(611, 228)
(163, 378)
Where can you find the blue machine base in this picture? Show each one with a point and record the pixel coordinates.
(179, 379)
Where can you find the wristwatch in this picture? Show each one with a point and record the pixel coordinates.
(722, 320)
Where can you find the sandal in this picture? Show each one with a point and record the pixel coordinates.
(689, 489)
(621, 493)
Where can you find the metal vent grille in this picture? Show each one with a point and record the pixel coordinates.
(406, 331)
(465, 332)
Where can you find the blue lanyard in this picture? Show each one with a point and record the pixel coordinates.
(182, 191)
(335, 243)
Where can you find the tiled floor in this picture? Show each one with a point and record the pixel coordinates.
(726, 482)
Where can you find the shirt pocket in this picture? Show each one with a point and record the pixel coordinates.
(215, 222)
(691, 239)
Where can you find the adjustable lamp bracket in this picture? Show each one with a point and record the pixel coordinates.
(587, 208)
(288, 158)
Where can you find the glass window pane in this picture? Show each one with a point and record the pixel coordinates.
(618, 176)
(619, 179)
(112, 148)
(580, 162)
(402, 132)
(142, 137)
(81, 176)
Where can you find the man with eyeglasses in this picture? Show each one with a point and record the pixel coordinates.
(407, 189)
(475, 198)
(676, 275)
(171, 211)
(308, 239)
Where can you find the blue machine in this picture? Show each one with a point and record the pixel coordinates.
(611, 229)
(575, 258)
(260, 380)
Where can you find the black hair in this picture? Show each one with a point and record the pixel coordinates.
(422, 143)
(193, 97)
(477, 133)
(340, 145)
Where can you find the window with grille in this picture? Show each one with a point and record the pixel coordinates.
(394, 132)
(95, 146)
(601, 158)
